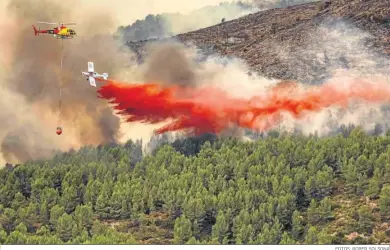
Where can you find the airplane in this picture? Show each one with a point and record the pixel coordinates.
(91, 74)
(60, 32)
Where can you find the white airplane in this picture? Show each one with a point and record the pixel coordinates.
(91, 74)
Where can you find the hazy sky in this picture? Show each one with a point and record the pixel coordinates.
(128, 11)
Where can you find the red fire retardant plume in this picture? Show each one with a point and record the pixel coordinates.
(212, 110)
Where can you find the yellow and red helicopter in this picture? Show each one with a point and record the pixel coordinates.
(59, 32)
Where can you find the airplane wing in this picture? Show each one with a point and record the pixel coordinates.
(91, 68)
(92, 81)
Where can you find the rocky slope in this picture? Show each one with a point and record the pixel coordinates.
(303, 42)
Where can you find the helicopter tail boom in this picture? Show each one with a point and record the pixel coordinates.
(36, 32)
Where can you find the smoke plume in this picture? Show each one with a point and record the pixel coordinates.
(339, 50)
(170, 63)
(32, 80)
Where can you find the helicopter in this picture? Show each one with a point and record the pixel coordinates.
(59, 32)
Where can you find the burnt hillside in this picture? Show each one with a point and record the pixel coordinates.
(294, 42)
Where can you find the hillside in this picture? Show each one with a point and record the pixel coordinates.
(264, 38)
(168, 24)
(284, 189)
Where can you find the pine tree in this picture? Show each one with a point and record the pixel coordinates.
(324, 238)
(56, 212)
(285, 208)
(286, 239)
(366, 220)
(245, 234)
(311, 236)
(323, 182)
(50, 196)
(44, 215)
(196, 229)
(116, 205)
(373, 188)
(276, 231)
(64, 227)
(21, 228)
(43, 231)
(325, 209)
(125, 210)
(297, 226)
(182, 230)
(102, 204)
(351, 176)
(92, 191)
(84, 217)
(18, 201)
(192, 241)
(16, 238)
(7, 219)
(265, 236)
(220, 227)
(32, 217)
(312, 213)
(384, 201)
(3, 235)
(70, 199)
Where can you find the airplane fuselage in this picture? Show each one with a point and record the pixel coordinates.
(89, 73)
(94, 75)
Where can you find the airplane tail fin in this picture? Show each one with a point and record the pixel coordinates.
(92, 81)
(105, 76)
(35, 30)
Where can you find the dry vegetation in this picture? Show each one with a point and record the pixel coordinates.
(258, 38)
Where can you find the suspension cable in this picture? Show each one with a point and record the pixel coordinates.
(60, 99)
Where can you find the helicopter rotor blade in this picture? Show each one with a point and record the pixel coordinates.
(47, 23)
(59, 24)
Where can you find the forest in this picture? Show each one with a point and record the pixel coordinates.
(279, 189)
